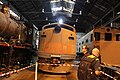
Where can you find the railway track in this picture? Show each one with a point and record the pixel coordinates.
(29, 74)
(58, 76)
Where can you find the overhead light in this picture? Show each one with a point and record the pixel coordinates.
(118, 12)
(60, 21)
(74, 0)
(43, 10)
(111, 24)
(1, 2)
(80, 12)
(46, 18)
(76, 20)
(74, 25)
(88, 1)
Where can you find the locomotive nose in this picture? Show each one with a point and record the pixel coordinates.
(57, 29)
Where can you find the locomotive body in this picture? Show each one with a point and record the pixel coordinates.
(9, 27)
(57, 47)
(16, 50)
(107, 39)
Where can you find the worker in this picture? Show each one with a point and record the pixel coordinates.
(89, 67)
(85, 50)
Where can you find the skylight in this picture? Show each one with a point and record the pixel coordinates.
(62, 7)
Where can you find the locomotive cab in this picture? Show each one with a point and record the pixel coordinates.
(57, 47)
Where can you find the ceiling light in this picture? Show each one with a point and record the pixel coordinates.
(74, 25)
(118, 12)
(88, 1)
(1, 2)
(46, 18)
(111, 24)
(80, 12)
(60, 21)
(76, 20)
(43, 10)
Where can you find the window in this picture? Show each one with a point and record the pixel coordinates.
(50, 26)
(117, 37)
(97, 36)
(108, 36)
(67, 27)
